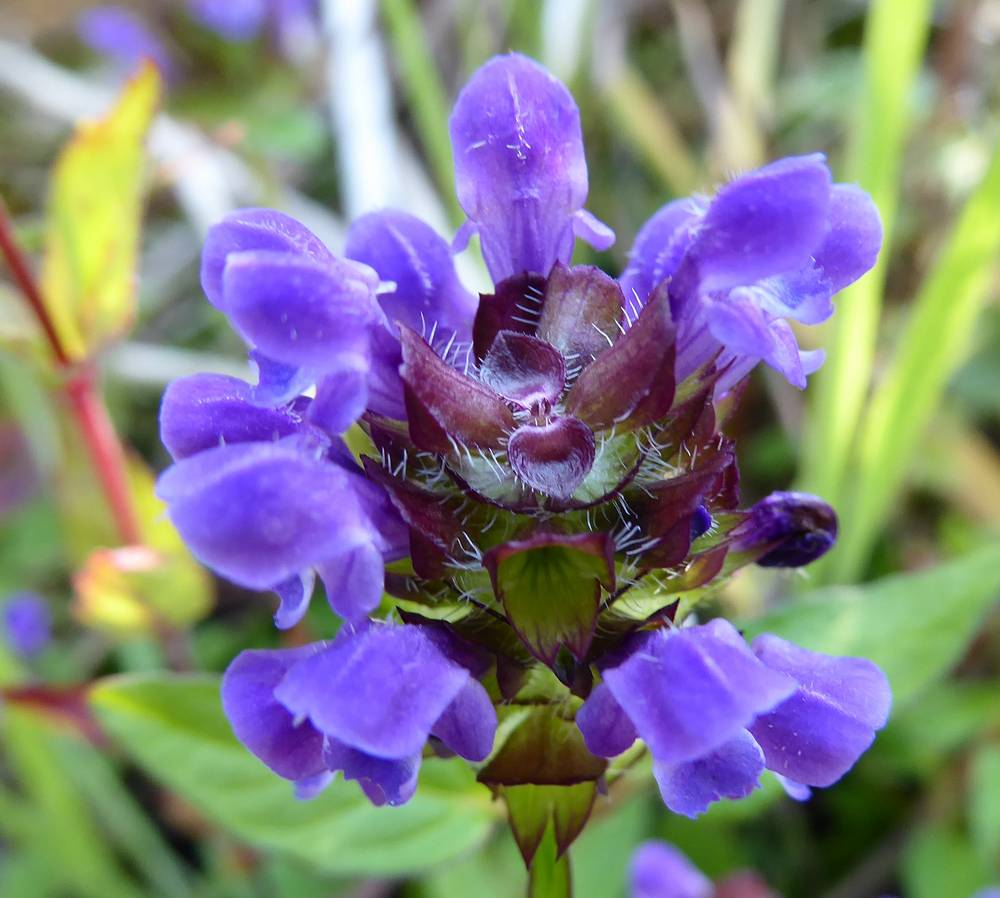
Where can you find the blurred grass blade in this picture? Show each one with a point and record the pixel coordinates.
(425, 91)
(753, 57)
(124, 819)
(88, 279)
(933, 344)
(86, 863)
(646, 124)
(895, 36)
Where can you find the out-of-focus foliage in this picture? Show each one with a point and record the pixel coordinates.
(92, 237)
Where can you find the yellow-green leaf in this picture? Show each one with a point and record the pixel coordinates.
(95, 206)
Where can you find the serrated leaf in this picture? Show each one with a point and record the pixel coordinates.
(174, 728)
(88, 278)
(915, 626)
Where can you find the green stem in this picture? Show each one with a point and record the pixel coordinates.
(549, 876)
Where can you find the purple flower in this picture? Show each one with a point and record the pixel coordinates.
(426, 296)
(27, 623)
(714, 713)
(233, 20)
(528, 460)
(792, 530)
(124, 38)
(291, 22)
(774, 245)
(520, 170)
(658, 870)
(364, 704)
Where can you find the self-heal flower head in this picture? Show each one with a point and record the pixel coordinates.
(715, 713)
(546, 488)
(27, 623)
(364, 705)
(773, 246)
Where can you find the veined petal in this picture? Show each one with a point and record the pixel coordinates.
(853, 237)
(520, 170)
(658, 250)
(815, 736)
(767, 222)
(384, 781)
(410, 254)
(607, 729)
(689, 691)
(207, 410)
(342, 395)
(730, 771)
(259, 513)
(262, 724)
(355, 576)
(379, 691)
(469, 724)
(298, 311)
(254, 229)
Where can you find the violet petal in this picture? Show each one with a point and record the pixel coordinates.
(260, 722)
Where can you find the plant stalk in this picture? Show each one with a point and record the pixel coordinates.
(83, 398)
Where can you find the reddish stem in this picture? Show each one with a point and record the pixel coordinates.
(86, 403)
(106, 453)
(25, 280)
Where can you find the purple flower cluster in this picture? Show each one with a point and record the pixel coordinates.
(545, 475)
(803, 715)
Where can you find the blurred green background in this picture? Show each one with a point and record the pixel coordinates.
(137, 788)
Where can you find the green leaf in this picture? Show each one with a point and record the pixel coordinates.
(984, 802)
(895, 36)
(174, 728)
(601, 855)
(428, 100)
(550, 586)
(935, 342)
(915, 626)
(88, 279)
(939, 861)
(961, 712)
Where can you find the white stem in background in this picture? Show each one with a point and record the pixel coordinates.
(361, 107)
(564, 23)
(207, 179)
